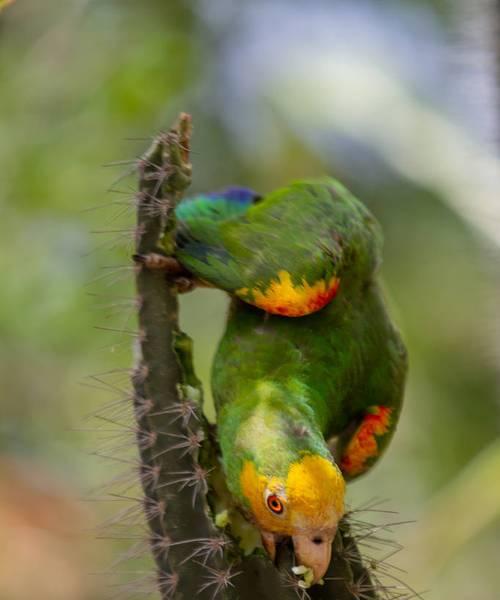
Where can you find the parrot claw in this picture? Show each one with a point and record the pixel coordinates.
(159, 262)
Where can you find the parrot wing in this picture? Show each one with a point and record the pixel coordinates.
(286, 252)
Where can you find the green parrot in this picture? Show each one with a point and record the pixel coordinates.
(309, 360)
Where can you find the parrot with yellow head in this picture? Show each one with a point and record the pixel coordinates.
(309, 357)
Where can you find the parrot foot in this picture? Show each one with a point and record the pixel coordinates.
(159, 262)
(185, 284)
(181, 277)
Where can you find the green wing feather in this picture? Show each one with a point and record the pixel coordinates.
(295, 241)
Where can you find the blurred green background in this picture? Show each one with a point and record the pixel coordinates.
(395, 98)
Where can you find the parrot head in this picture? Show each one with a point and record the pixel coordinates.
(305, 505)
(280, 471)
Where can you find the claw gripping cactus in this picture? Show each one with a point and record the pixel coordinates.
(181, 473)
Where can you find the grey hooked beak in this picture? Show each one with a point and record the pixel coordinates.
(314, 552)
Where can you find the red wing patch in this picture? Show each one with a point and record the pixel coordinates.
(363, 444)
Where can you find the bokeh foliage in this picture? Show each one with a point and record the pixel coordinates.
(83, 83)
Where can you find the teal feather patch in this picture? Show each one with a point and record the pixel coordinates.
(204, 213)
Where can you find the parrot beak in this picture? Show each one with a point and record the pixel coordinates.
(314, 552)
(269, 543)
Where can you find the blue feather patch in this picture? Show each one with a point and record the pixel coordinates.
(216, 206)
(241, 195)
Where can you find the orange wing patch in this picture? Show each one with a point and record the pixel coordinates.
(363, 444)
(282, 297)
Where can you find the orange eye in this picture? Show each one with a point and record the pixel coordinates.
(275, 504)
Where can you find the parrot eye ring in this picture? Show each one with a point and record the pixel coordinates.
(274, 504)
